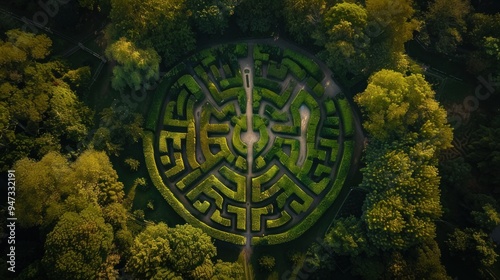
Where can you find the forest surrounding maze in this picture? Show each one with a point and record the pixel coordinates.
(252, 142)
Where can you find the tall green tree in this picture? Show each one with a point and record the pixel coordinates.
(403, 107)
(393, 25)
(78, 246)
(158, 24)
(446, 23)
(52, 186)
(136, 67)
(211, 16)
(343, 36)
(39, 109)
(183, 252)
(303, 17)
(258, 16)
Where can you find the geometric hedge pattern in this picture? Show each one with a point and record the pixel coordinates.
(248, 144)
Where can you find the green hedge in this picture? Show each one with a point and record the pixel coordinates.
(231, 83)
(347, 117)
(273, 71)
(259, 55)
(307, 63)
(268, 84)
(240, 216)
(294, 68)
(215, 71)
(276, 115)
(148, 141)
(227, 71)
(159, 96)
(285, 218)
(201, 73)
(209, 60)
(330, 107)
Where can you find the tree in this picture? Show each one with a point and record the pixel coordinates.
(347, 237)
(258, 16)
(485, 152)
(399, 107)
(394, 26)
(162, 25)
(39, 109)
(303, 17)
(190, 247)
(473, 246)
(445, 23)
(226, 270)
(211, 16)
(150, 251)
(118, 128)
(136, 67)
(343, 36)
(79, 244)
(267, 263)
(403, 202)
(182, 250)
(52, 186)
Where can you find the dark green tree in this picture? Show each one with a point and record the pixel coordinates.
(211, 16)
(303, 17)
(446, 24)
(258, 16)
(162, 25)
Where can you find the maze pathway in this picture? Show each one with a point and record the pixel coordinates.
(249, 143)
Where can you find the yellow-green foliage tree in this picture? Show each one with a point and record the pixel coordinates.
(136, 67)
(78, 246)
(39, 109)
(183, 252)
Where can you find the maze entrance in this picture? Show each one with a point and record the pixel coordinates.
(251, 142)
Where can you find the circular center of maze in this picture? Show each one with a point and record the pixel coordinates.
(253, 144)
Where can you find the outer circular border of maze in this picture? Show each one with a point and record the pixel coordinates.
(272, 190)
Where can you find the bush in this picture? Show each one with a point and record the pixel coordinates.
(296, 70)
(273, 71)
(241, 50)
(267, 263)
(276, 115)
(307, 63)
(191, 85)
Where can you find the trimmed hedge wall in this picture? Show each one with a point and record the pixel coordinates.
(347, 117)
(259, 55)
(294, 68)
(156, 104)
(241, 50)
(273, 71)
(307, 63)
(148, 141)
(268, 84)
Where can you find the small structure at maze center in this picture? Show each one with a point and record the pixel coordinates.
(246, 142)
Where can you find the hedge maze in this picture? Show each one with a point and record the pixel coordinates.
(245, 142)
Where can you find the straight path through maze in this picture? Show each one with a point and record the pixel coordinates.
(251, 145)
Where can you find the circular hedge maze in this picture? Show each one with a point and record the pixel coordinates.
(250, 142)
